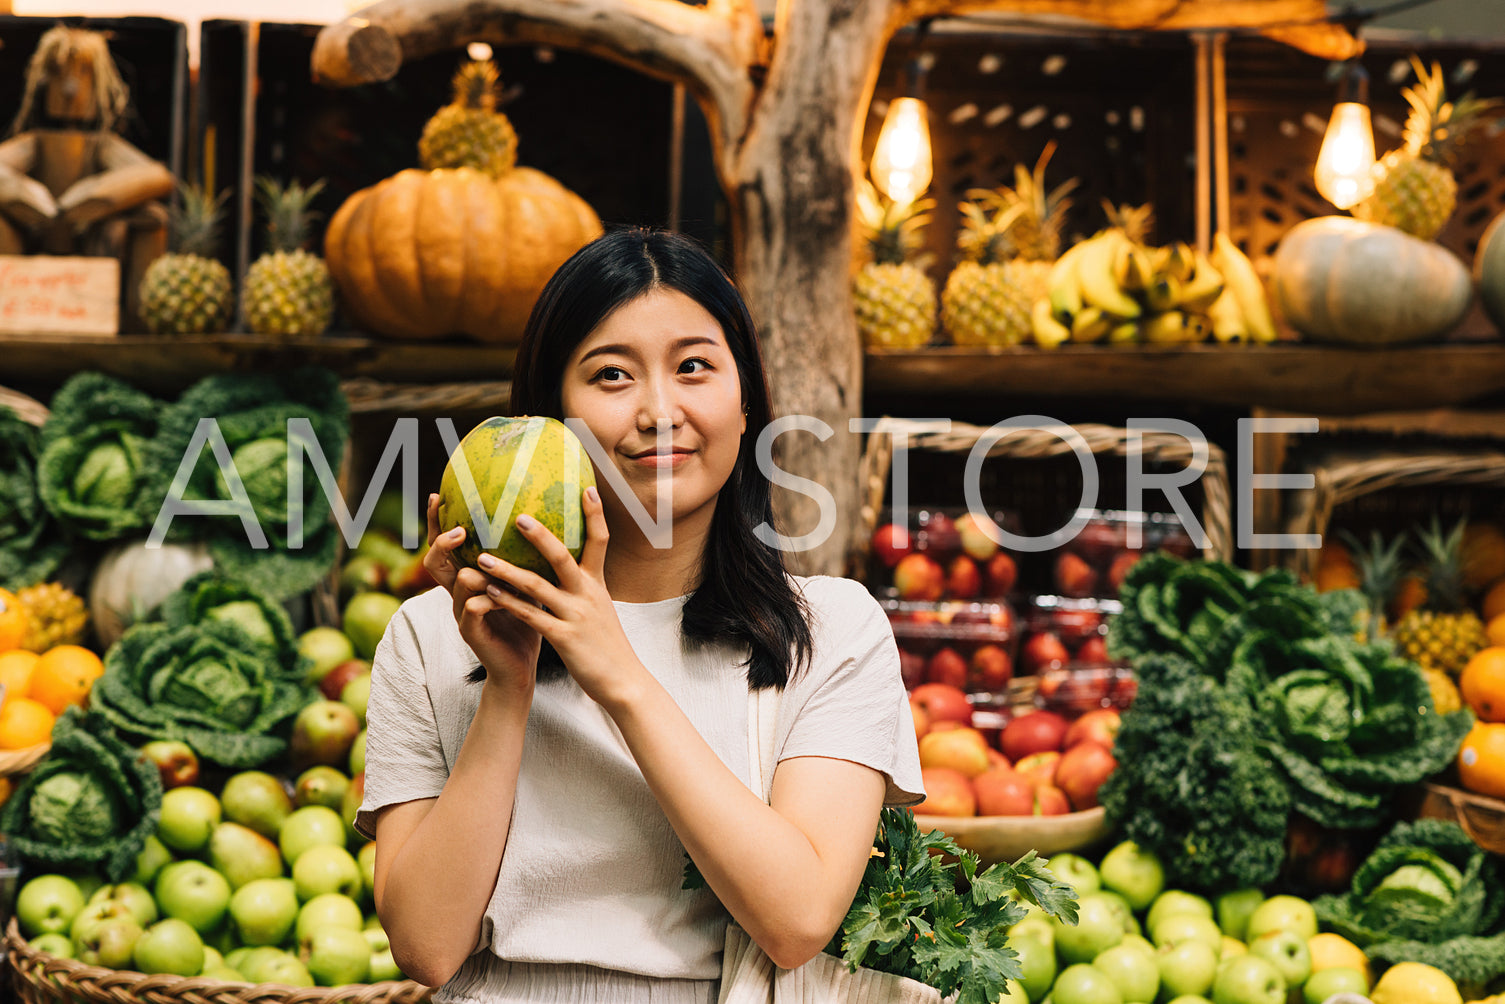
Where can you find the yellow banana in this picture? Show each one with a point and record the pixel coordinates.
(1227, 319)
(1090, 325)
(1063, 286)
(1123, 270)
(1206, 286)
(1049, 332)
(1095, 269)
(1248, 290)
(1181, 261)
(1196, 328)
(1167, 327)
(1163, 293)
(1124, 332)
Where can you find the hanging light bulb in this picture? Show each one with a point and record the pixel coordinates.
(1345, 167)
(901, 161)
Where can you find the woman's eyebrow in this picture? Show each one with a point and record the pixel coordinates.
(623, 350)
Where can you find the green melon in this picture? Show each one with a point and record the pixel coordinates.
(1489, 271)
(531, 465)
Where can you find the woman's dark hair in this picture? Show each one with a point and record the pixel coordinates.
(743, 597)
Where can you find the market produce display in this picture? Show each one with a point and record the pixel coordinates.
(287, 291)
(894, 297)
(188, 291)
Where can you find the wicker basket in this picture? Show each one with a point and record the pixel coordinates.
(1037, 444)
(1482, 817)
(40, 978)
(1348, 479)
(34, 412)
(1006, 838)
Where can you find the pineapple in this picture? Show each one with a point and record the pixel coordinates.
(287, 292)
(1135, 222)
(1444, 634)
(1414, 185)
(188, 292)
(895, 299)
(1009, 239)
(56, 616)
(469, 131)
(1379, 567)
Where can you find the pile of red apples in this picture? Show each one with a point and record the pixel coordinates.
(1043, 764)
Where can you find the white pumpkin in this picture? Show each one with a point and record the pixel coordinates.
(132, 580)
(1344, 280)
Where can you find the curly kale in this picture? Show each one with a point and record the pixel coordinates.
(1191, 784)
(31, 544)
(208, 596)
(90, 804)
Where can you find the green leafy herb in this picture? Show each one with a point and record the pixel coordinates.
(31, 544)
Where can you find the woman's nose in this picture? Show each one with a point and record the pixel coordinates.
(659, 409)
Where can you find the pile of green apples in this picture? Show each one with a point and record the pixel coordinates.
(1137, 942)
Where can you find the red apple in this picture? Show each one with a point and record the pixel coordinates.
(410, 578)
(322, 734)
(1042, 651)
(963, 750)
(1125, 687)
(991, 667)
(1051, 801)
(1082, 770)
(1094, 650)
(947, 666)
(1074, 625)
(890, 543)
(1033, 732)
(1119, 570)
(175, 761)
(1098, 540)
(947, 793)
(997, 759)
(1038, 768)
(945, 725)
(921, 719)
(976, 537)
(919, 577)
(939, 536)
(1073, 576)
(943, 703)
(333, 682)
(1001, 574)
(1001, 792)
(911, 668)
(1099, 725)
(963, 581)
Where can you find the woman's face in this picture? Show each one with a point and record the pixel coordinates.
(659, 364)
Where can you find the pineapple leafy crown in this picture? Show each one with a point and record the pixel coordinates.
(1024, 221)
(891, 229)
(1135, 222)
(194, 220)
(475, 85)
(1437, 128)
(286, 210)
(1441, 551)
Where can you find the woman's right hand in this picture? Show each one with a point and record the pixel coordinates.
(507, 648)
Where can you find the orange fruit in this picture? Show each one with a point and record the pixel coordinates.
(1482, 683)
(1494, 601)
(15, 671)
(1495, 630)
(13, 621)
(23, 723)
(1481, 759)
(64, 676)
(1337, 576)
(5, 789)
(1409, 594)
(1483, 555)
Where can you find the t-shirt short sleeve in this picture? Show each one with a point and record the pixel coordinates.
(404, 755)
(849, 703)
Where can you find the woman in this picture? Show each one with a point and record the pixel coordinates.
(532, 815)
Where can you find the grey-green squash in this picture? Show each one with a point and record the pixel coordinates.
(1489, 271)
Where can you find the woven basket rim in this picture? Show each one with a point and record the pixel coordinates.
(16, 761)
(29, 409)
(91, 983)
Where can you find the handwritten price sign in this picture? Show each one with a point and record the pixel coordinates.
(56, 294)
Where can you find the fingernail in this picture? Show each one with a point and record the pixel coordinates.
(454, 534)
(486, 561)
(526, 522)
(494, 592)
(592, 494)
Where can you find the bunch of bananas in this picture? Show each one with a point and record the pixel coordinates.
(1110, 288)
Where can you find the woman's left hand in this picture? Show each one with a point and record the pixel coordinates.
(576, 616)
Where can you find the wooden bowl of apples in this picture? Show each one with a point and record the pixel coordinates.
(1007, 838)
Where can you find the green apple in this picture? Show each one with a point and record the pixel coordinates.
(48, 904)
(58, 945)
(1190, 999)
(1234, 910)
(1338, 980)
(336, 956)
(1037, 962)
(350, 806)
(257, 961)
(1248, 979)
(1175, 901)
(1187, 968)
(324, 648)
(327, 911)
(241, 958)
(1133, 971)
(212, 957)
(356, 694)
(310, 826)
(366, 858)
(94, 914)
(1179, 927)
(1282, 913)
(88, 883)
(223, 974)
(324, 869)
(137, 899)
(154, 854)
(1039, 926)
(1076, 871)
(110, 943)
(242, 855)
(1287, 952)
(1013, 990)
(189, 816)
(1098, 928)
(1121, 908)
(1140, 942)
(194, 893)
(373, 922)
(170, 946)
(320, 785)
(1082, 984)
(287, 970)
(357, 761)
(1134, 873)
(1232, 947)
(365, 618)
(257, 800)
(264, 911)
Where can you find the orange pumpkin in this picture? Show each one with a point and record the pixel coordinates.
(426, 254)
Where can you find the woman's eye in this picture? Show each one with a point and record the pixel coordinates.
(694, 366)
(610, 374)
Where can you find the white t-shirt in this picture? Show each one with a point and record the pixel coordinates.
(591, 875)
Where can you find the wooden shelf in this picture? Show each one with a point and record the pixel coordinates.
(1298, 378)
(166, 364)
